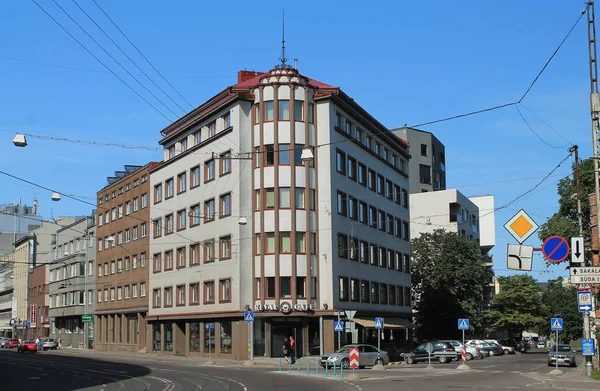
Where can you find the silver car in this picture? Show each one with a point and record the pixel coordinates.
(473, 352)
(564, 354)
(48, 343)
(368, 356)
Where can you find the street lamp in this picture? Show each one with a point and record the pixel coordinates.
(56, 196)
(306, 155)
(20, 140)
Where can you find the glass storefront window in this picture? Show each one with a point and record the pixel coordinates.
(194, 337)
(259, 337)
(156, 342)
(169, 337)
(225, 337)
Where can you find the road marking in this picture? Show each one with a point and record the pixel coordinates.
(33, 378)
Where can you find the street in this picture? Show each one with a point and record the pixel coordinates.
(77, 370)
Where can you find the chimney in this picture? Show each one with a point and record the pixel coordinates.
(246, 75)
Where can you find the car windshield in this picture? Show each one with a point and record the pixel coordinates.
(344, 349)
(562, 348)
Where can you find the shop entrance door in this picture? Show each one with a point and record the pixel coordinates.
(282, 328)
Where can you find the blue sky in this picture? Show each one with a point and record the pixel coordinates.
(404, 62)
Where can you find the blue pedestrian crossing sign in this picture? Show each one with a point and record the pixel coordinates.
(463, 324)
(556, 324)
(378, 323)
(249, 316)
(338, 326)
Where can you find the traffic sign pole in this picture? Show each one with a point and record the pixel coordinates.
(557, 350)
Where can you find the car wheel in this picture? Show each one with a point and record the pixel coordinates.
(549, 364)
(506, 351)
(469, 356)
(492, 353)
(410, 360)
(345, 363)
(574, 364)
(361, 367)
(443, 359)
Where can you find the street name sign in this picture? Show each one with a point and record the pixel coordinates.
(584, 301)
(463, 324)
(87, 318)
(521, 226)
(577, 253)
(585, 275)
(556, 324)
(519, 257)
(354, 358)
(555, 249)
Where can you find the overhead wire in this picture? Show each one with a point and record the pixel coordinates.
(545, 123)
(100, 61)
(536, 134)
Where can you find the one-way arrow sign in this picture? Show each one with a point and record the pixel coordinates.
(577, 252)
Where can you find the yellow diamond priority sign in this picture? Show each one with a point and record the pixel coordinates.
(521, 226)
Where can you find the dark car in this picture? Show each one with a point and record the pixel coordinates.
(564, 354)
(443, 351)
(28, 346)
(12, 343)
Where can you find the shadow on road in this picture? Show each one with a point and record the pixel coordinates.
(25, 371)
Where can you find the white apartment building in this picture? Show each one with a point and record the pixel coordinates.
(244, 218)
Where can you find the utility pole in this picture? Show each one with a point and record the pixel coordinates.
(595, 112)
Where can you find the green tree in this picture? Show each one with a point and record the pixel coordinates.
(561, 302)
(448, 282)
(518, 306)
(565, 221)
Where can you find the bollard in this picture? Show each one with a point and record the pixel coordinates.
(326, 368)
(298, 366)
(334, 366)
(308, 367)
(289, 366)
(316, 368)
(341, 370)
(280, 367)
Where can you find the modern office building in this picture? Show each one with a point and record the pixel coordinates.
(427, 165)
(16, 221)
(121, 260)
(72, 281)
(279, 195)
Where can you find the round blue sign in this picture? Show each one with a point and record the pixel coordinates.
(556, 249)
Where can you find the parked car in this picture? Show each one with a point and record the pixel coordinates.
(473, 352)
(12, 343)
(489, 349)
(563, 353)
(3, 342)
(506, 348)
(28, 346)
(443, 351)
(541, 344)
(48, 343)
(368, 355)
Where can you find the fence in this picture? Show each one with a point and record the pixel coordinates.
(312, 367)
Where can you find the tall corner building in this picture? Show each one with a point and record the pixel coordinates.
(282, 196)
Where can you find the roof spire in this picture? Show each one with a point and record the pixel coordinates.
(283, 58)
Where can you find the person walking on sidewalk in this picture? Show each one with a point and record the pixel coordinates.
(292, 349)
(286, 349)
(59, 343)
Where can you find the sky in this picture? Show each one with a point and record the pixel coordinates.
(404, 62)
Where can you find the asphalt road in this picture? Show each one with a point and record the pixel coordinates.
(68, 370)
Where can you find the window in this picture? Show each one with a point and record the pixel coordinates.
(352, 208)
(363, 212)
(212, 129)
(127, 263)
(194, 254)
(134, 291)
(301, 287)
(338, 120)
(143, 260)
(405, 231)
(127, 235)
(270, 288)
(225, 163)
(209, 251)
(127, 291)
(134, 259)
(311, 113)
(225, 247)
(169, 188)
(406, 263)
(284, 197)
(195, 215)
(374, 293)
(180, 294)
(285, 287)
(284, 243)
(156, 302)
(351, 168)
(390, 224)
(381, 220)
(156, 265)
(181, 220)
(120, 211)
(209, 170)
(362, 174)
(142, 289)
(168, 224)
(226, 337)
(299, 198)
(169, 297)
(397, 195)
(425, 174)
(380, 185)
(340, 162)
(269, 199)
(300, 243)
(407, 297)
(341, 203)
(225, 291)
(136, 205)
(209, 210)
(194, 293)
(423, 149)
(257, 117)
(269, 155)
(226, 121)
(365, 292)
(269, 111)
(371, 179)
(284, 154)
(353, 249)
(342, 246)
(372, 216)
(383, 293)
(358, 135)
(298, 156)
(168, 260)
(209, 292)
(144, 200)
(181, 182)
(382, 256)
(343, 281)
(144, 230)
(405, 198)
(181, 257)
(225, 207)
(298, 104)
(389, 190)
(354, 290)
(194, 177)
(157, 194)
(284, 110)
(364, 252)
(270, 243)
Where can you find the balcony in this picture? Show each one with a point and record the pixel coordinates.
(456, 218)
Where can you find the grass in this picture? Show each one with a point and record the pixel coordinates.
(596, 375)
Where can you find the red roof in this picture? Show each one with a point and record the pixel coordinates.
(249, 82)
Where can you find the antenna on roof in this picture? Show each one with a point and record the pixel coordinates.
(283, 58)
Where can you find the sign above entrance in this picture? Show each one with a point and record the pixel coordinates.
(284, 307)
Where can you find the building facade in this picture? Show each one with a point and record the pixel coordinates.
(17, 220)
(122, 260)
(7, 303)
(72, 280)
(292, 231)
(427, 166)
(38, 302)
